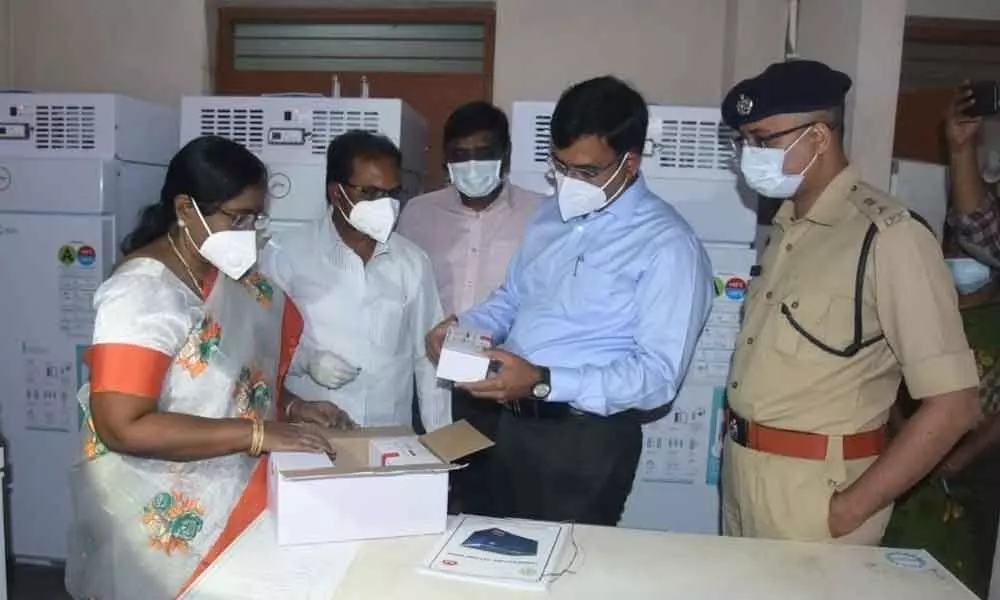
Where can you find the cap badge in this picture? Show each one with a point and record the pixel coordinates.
(744, 105)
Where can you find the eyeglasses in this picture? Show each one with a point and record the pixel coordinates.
(583, 171)
(371, 192)
(242, 221)
(740, 141)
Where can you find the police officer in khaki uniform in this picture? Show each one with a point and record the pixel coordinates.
(852, 295)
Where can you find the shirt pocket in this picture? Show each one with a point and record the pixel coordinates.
(828, 318)
(389, 324)
(594, 292)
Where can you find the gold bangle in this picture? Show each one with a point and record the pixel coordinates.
(260, 436)
(257, 437)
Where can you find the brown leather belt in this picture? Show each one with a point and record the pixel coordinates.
(799, 444)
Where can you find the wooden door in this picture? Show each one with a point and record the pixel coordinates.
(919, 125)
(433, 85)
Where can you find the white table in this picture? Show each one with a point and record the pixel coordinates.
(621, 564)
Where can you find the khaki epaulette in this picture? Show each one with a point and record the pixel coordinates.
(878, 207)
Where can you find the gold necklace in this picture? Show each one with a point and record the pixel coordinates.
(177, 253)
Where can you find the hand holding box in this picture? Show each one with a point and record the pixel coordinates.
(462, 356)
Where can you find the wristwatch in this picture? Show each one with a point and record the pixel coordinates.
(542, 388)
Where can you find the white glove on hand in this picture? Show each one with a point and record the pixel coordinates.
(330, 370)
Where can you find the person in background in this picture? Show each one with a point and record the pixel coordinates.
(471, 230)
(974, 168)
(954, 513)
(598, 317)
(367, 294)
(190, 349)
(853, 295)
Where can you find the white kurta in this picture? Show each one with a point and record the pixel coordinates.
(375, 316)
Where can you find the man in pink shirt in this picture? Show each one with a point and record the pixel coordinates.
(471, 230)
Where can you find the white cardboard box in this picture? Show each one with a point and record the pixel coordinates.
(353, 497)
(462, 359)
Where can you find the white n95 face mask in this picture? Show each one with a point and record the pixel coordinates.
(577, 197)
(476, 178)
(232, 252)
(969, 274)
(374, 218)
(763, 170)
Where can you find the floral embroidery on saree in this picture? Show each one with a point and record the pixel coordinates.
(172, 521)
(201, 346)
(252, 394)
(260, 287)
(93, 447)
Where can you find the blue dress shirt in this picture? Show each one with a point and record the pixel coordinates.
(612, 302)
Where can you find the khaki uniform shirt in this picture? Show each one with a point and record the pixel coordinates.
(780, 379)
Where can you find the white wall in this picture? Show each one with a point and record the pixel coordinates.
(954, 9)
(151, 49)
(863, 38)
(671, 50)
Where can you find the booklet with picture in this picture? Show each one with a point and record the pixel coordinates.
(507, 552)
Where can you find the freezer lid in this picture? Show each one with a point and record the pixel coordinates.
(62, 186)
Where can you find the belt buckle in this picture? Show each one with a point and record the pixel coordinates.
(738, 430)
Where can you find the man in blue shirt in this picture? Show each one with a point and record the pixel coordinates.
(598, 318)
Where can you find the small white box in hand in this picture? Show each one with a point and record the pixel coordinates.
(462, 358)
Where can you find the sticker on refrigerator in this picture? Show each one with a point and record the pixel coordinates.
(714, 467)
(86, 256)
(736, 288)
(79, 279)
(67, 255)
(49, 394)
(674, 447)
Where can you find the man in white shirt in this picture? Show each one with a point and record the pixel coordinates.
(470, 230)
(366, 294)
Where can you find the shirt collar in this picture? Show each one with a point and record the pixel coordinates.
(830, 207)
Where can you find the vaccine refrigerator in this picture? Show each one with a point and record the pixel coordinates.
(688, 161)
(75, 170)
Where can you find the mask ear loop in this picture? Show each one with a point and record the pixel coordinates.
(204, 223)
(797, 140)
(343, 193)
(622, 187)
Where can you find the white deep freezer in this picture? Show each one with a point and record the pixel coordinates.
(75, 170)
(688, 161)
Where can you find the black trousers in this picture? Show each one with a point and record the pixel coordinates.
(472, 488)
(574, 469)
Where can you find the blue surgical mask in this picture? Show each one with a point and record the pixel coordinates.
(969, 274)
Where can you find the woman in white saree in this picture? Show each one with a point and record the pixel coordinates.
(191, 346)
